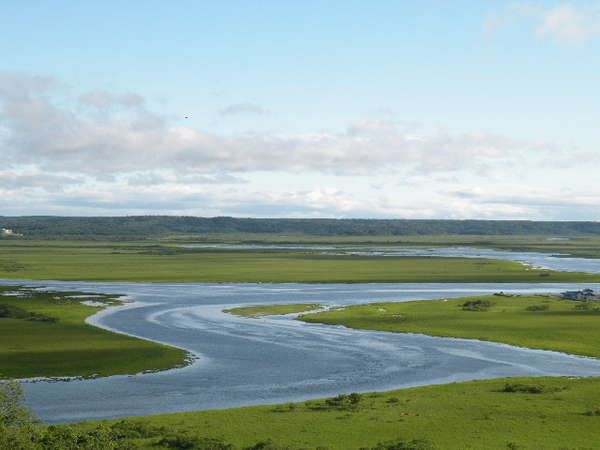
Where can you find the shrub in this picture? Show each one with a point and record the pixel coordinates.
(354, 398)
(14, 312)
(537, 308)
(592, 412)
(266, 445)
(344, 401)
(402, 444)
(513, 446)
(127, 429)
(67, 437)
(12, 411)
(528, 389)
(185, 441)
(476, 305)
(587, 306)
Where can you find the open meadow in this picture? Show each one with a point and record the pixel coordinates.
(152, 262)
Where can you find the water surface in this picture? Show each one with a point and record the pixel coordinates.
(558, 261)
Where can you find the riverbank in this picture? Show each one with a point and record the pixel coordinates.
(536, 321)
(44, 334)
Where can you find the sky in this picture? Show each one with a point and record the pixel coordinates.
(331, 108)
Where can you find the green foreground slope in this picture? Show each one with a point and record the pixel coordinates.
(161, 263)
(43, 334)
(471, 415)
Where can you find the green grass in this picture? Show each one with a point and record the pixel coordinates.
(269, 310)
(163, 263)
(561, 327)
(470, 415)
(66, 346)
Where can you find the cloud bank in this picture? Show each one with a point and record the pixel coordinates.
(104, 133)
(106, 153)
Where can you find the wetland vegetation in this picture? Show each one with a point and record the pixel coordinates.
(155, 262)
(44, 334)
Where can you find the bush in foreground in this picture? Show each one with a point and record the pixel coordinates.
(402, 444)
(477, 305)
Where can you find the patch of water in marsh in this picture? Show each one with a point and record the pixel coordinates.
(558, 262)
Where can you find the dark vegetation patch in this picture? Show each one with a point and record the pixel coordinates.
(477, 305)
(344, 401)
(403, 444)
(587, 306)
(592, 412)
(537, 308)
(529, 388)
(10, 266)
(14, 312)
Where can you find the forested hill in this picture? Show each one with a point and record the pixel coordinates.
(146, 227)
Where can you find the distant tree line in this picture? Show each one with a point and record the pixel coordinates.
(144, 227)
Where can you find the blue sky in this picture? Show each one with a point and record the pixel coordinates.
(389, 109)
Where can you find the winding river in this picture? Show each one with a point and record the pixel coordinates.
(277, 359)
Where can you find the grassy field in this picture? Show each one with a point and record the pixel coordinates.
(523, 413)
(270, 310)
(536, 321)
(163, 263)
(44, 334)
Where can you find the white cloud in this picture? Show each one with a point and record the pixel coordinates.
(103, 99)
(170, 177)
(569, 23)
(39, 130)
(101, 153)
(564, 22)
(35, 179)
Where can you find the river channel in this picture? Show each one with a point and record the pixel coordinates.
(276, 359)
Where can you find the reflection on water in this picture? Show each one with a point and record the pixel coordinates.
(276, 359)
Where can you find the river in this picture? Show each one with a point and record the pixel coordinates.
(276, 359)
